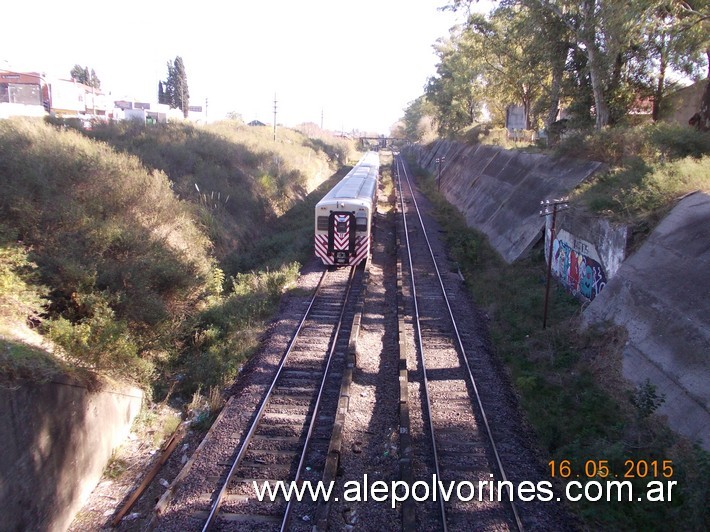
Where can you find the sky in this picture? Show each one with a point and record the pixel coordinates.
(348, 64)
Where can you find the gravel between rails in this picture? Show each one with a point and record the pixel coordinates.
(370, 436)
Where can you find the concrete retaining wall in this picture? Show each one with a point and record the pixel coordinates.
(56, 439)
(587, 251)
(499, 191)
(660, 295)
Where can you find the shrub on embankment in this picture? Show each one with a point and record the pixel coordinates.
(649, 168)
(235, 174)
(122, 237)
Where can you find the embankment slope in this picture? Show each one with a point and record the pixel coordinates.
(659, 293)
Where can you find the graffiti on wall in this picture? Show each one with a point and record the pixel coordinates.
(576, 265)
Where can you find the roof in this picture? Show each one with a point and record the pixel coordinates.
(360, 183)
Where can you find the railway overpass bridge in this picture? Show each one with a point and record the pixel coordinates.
(380, 143)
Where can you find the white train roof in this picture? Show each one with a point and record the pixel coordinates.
(360, 183)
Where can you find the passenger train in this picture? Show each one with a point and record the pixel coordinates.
(343, 228)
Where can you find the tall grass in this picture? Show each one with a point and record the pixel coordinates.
(127, 226)
(20, 294)
(638, 190)
(99, 223)
(227, 332)
(228, 329)
(263, 178)
(21, 304)
(649, 168)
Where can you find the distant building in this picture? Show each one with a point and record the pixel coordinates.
(146, 112)
(21, 94)
(32, 94)
(71, 98)
(256, 123)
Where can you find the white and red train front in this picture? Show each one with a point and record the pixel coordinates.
(343, 228)
(342, 238)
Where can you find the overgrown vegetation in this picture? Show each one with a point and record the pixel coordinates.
(159, 254)
(601, 63)
(569, 382)
(233, 175)
(649, 168)
(152, 253)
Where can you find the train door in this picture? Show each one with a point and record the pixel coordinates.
(341, 236)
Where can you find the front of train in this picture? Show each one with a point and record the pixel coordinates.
(342, 235)
(344, 216)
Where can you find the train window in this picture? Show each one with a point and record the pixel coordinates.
(342, 227)
(322, 223)
(361, 224)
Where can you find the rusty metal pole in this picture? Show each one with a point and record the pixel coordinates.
(549, 264)
(438, 180)
(557, 204)
(439, 160)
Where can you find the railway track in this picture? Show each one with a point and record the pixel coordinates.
(295, 417)
(329, 409)
(461, 449)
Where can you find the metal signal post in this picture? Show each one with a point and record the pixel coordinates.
(275, 102)
(555, 204)
(439, 160)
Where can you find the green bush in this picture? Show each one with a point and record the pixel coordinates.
(653, 143)
(93, 216)
(638, 193)
(20, 294)
(611, 146)
(227, 332)
(677, 142)
(649, 168)
(99, 341)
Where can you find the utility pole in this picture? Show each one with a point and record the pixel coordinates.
(275, 102)
(321, 119)
(439, 160)
(556, 205)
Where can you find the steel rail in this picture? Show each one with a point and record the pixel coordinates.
(331, 351)
(214, 510)
(472, 380)
(419, 339)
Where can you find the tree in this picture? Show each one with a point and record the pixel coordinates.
(693, 40)
(673, 41)
(83, 75)
(610, 35)
(457, 90)
(599, 57)
(552, 42)
(515, 65)
(177, 94)
(701, 119)
(417, 124)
